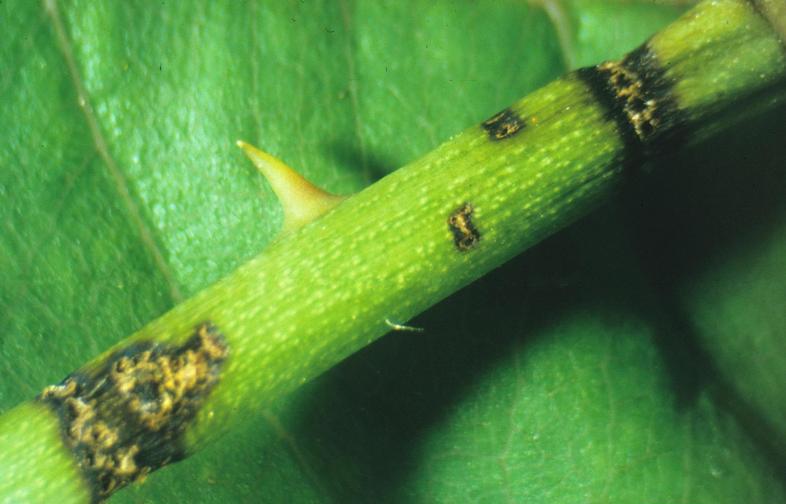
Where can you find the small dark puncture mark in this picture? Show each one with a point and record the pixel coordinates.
(465, 234)
(639, 96)
(503, 125)
(129, 417)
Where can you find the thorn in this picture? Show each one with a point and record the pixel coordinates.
(301, 200)
(402, 327)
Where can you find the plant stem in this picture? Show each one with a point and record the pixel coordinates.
(36, 466)
(329, 288)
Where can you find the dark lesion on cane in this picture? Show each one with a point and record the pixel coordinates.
(502, 125)
(639, 95)
(128, 417)
(465, 235)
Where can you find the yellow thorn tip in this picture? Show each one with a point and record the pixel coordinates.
(301, 200)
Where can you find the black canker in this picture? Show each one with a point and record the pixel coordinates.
(129, 417)
(465, 234)
(502, 125)
(639, 97)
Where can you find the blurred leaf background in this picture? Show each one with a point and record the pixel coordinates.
(635, 357)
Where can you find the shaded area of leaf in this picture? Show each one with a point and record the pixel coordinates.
(710, 234)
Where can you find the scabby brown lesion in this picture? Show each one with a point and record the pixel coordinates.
(639, 96)
(642, 110)
(465, 234)
(129, 417)
(502, 125)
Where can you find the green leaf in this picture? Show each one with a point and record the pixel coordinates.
(633, 355)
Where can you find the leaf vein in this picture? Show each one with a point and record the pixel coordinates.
(99, 142)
